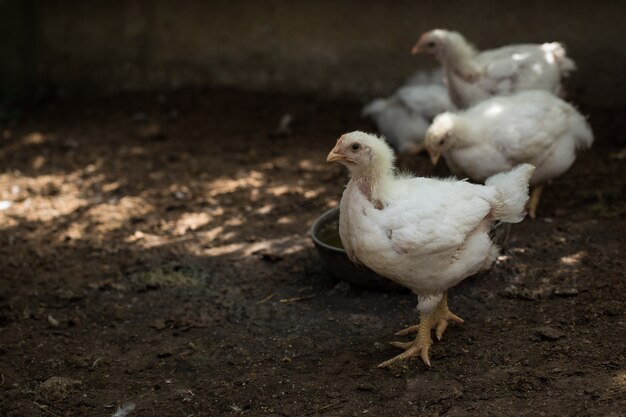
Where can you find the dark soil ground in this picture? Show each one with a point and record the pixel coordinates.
(156, 253)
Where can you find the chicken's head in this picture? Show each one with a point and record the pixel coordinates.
(440, 136)
(362, 153)
(433, 43)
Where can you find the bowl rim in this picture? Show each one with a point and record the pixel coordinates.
(324, 216)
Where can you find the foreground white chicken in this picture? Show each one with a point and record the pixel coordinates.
(426, 234)
(532, 127)
(474, 76)
(404, 117)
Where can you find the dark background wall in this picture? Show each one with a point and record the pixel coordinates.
(16, 48)
(329, 47)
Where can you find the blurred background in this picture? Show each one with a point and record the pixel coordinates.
(326, 47)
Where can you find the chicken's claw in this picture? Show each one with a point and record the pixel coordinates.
(409, 353)
(420, 345)
(408, 330)
(442, 316)
(442, 323)
(437, 319)
(402, 345)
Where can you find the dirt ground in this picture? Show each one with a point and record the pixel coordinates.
(154, 252)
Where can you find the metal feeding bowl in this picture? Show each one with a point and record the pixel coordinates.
(325, 235)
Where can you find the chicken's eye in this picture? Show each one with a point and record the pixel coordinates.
(355, 146)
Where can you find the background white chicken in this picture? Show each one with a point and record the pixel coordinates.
(426, 234)
(474, 76)
(532, 127)
(404, 117)
(436, 77)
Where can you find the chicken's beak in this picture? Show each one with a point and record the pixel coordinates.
(434, 155)
(334, 155)
(418, 47)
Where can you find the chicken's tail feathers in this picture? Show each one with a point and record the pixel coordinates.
(566, 64)
(583, 135)
(512, 188)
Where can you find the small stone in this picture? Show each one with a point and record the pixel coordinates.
(549, 333)
(58, 387)
(565, 292)
(270, 257)
(516, 293)
(614, 309)
(52, 321)
(158, 324)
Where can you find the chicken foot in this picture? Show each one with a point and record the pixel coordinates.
(420, 345)
(442, 316)
(533, 201)
(438, 319)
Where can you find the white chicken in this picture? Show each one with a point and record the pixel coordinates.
(432, 77)
(474, 76)
(426, 234)
(404, 117)
(532, 127)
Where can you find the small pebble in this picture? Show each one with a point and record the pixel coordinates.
(53, 322)
(565, 292)
(549, 333)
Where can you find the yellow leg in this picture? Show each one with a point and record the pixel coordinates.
(438, 319)
(533, 201)
(420, 345)
(442, 316)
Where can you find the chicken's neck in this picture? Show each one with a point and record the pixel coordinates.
(459, 59)
(373, 185)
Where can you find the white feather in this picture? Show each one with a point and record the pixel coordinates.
(533, 127)
(404, 117)
(123, 410)
(426, 234)
(512, 189)
(501, 71)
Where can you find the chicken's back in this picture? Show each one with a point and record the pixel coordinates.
(507, 70)
(425, 100)
(503, 132)
(519, 67)
(402, 129)
(404, 117)
(533, 127)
